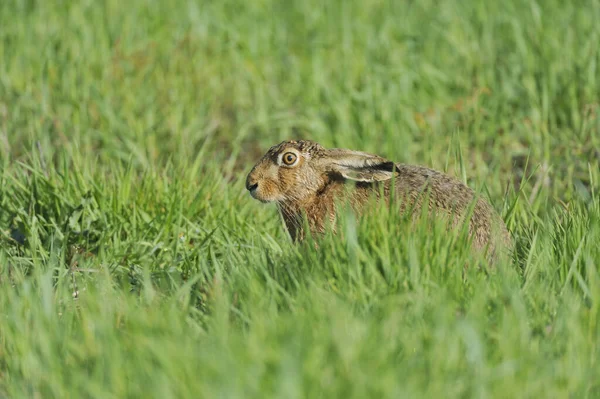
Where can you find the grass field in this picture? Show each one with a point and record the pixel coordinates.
(134, 264)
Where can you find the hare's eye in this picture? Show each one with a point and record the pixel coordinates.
(289, 158)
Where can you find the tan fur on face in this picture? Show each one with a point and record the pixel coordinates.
(279, 183)
(308, 190)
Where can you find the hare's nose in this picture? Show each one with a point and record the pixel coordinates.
(251, 185)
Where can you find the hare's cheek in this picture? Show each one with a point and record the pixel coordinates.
(287, 180)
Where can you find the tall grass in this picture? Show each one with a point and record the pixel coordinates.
(133, 263)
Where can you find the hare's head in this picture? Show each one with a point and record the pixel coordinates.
(295, 170)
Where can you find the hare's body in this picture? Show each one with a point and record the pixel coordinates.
(309, 181)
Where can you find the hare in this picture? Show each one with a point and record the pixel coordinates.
(307, 180)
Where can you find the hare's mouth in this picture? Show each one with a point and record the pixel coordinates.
(261, 199)
(256, 194)
(264, 191)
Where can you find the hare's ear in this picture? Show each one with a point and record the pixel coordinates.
(359, 166)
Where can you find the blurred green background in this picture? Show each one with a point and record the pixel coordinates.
(133, 263)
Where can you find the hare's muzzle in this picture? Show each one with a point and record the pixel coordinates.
(251, 185)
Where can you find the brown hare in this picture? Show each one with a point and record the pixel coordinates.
(307, 180)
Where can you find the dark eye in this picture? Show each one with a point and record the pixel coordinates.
(289, 158)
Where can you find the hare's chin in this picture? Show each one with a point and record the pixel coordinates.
(262, 199)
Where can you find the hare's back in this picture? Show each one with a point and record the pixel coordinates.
(451, 196)
(443, 191)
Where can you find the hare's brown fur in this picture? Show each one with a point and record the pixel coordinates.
(312, 186)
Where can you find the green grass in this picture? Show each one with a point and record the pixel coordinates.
(134, 264)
